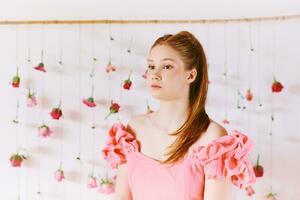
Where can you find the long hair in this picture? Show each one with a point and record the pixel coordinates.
(193, 56)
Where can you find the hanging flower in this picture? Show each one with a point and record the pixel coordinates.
(31, 99)
(145, 75)
(114, 108)
(92, 181)
(127, 83)
(56, 113)
(149, 109)
(59, 174)
(276, 86)
(16, 81)
(250, 191)
(89, 102)
(258, 169)
(271, 196)
(249, 95)
(225, 121)
(40, 67)
(107, 186)
(17, 159)
(110, 67)
(44, 131)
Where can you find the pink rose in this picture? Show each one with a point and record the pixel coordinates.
(59, 175)
(92, 182)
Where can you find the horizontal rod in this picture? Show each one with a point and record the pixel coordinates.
(191, 21)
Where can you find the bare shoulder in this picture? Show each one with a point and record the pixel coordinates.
(214, 131)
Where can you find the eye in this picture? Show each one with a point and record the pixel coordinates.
(168, 67)
(151, 67)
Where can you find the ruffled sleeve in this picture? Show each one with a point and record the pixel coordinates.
(118, 144)
(226, 156)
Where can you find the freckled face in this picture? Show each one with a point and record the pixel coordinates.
(166, 74)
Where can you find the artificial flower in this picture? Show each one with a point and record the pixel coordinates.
(40, 67)
(89, 102)
(258, 169)
(44, 131)
(276, 86)
(56, 113)
(31, 99)
(114, 108)
(110, 67)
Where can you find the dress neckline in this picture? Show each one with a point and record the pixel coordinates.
(149, 158)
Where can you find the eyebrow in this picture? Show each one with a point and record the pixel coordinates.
(170, 59)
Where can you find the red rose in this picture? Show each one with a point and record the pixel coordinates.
(127, 84)
(114, 108)
(16, 160)
(258, 169)
(56, 113)
(249, 95)
(276, 86)
(16, 81)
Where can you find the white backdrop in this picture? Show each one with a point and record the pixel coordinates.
(276, 48)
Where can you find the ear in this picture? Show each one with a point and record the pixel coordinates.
(192, 74)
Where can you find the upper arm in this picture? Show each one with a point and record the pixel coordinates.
(218, 189)
(122, 189)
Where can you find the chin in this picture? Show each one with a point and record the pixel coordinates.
(161, 97)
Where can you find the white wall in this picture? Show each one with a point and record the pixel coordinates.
(71, 83)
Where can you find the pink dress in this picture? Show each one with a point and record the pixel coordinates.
(149, 180)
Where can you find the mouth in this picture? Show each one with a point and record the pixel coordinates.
(155, 86)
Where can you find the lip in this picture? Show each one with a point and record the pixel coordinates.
(155, 86)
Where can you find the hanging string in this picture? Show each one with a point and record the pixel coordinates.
(60, 64)
(259, 67)
(238, 66)
(250, 55)
(109, 74)
(272, 107)
(26, 111)
(80, 110)
(16, 120)
(121, 67)
(92, 75)
(250, 51)
(92, 95)
(208, 46)
(225, 71)
(259, 119)
(110, 41)
(43, 116)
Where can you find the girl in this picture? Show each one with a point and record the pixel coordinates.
(177, 152)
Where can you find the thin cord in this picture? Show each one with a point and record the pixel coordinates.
(80, 110)
(225, 71)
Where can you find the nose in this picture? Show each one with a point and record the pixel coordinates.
(156, 75)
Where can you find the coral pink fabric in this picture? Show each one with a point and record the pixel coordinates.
(150, 180)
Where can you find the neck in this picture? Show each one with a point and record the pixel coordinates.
(171, 115)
